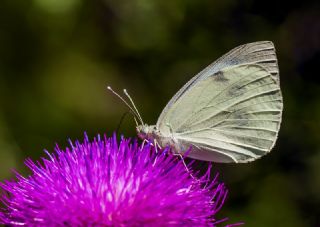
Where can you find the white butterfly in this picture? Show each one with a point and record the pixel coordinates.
(229, 112)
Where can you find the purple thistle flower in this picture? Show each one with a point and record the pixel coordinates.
(103, 183)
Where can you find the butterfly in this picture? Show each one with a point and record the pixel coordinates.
(229, 112)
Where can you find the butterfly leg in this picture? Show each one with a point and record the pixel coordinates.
(143, 142)
(185, 165)
(156, 146)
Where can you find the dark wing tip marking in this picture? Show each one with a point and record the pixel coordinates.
(219, 77)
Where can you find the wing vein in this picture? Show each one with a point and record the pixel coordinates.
(228, 132)
(251, 128)
(248, 153)
(248, 98)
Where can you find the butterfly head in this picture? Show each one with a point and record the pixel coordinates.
(145, 131)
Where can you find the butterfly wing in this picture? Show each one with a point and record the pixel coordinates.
(260, 53)
(232, 115)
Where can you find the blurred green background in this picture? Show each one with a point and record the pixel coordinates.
(58, 56)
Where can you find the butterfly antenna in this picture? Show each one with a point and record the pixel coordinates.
(132, 110)
(136, 121)
(134, 106)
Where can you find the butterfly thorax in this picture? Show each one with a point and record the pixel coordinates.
(152, 134)
(147, 132)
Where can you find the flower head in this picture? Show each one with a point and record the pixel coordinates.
(103, 183)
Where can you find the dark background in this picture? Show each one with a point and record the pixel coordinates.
(58, 56)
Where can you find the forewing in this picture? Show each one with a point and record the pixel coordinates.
(258, 53)
(232, 116)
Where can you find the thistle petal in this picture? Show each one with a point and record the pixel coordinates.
(106, 183)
